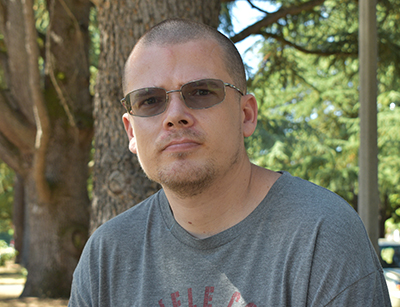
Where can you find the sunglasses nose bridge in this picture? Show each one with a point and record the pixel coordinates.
(174, 91)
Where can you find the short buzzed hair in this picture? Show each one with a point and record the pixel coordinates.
(178, 31)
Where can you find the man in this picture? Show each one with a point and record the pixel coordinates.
(222, 232)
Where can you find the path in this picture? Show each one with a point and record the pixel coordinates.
(11, 286)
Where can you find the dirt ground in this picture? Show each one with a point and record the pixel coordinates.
(32, 302)
(12, 282)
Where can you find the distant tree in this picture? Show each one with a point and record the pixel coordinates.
(46, 131)
(389, 156)
(307, 84)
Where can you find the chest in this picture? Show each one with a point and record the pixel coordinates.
(241, 273)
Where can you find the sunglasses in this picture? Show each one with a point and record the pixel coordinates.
(200, 94)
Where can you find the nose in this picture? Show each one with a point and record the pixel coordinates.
(177, 114)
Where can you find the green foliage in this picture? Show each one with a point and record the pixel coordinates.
(6, 197)
(90, 177)
(6, 252)
(41, 16)
(308, 123)
(307, 87)
(94, 49)
(389, 154)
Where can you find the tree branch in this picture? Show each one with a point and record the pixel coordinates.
(274, 17)
(256, 7)
(11, 155)
(14, 127)
(62, 92)
(6, 69)
(304, 50)
(40, 111)
(17, 59)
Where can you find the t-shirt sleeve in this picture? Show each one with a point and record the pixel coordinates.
(80, 289)
(76, 299)
(369, 291)
(346, 270)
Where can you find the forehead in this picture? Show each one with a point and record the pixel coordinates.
(171, 65)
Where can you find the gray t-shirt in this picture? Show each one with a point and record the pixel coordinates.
(302, 246)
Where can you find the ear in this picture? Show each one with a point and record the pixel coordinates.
(249, 113)
(129, 132)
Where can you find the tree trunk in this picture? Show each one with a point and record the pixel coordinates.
(119, 182)
(46, 133)
(58, 228)
(19, 216)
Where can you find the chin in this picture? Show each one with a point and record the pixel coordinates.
(186, 179)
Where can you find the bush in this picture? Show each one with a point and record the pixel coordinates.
(6, 252)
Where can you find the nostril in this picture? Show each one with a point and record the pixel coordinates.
(182, 122)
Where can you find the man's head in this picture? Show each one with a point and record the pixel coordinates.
(178, 31)
(187, 149)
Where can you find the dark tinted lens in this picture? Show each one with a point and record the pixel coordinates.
(148, 101)
(203, 93)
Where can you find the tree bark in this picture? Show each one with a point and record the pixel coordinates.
(49, 135)
(119, 182)
(19, 216)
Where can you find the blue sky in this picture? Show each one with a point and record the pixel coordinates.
(243, 16)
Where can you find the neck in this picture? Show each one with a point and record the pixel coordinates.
(224, 204)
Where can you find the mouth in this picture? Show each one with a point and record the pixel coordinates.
(181, 145)
(180, 141)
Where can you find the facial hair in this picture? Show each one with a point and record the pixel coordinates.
(190, 180)
(186, 178)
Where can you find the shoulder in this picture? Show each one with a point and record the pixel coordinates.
(129, 224)
(309, 210)
(118, 237)
(117, 242)
(341, 254)
(301, 195)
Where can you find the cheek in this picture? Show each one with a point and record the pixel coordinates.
(144, 146)
(141, 146)
(227, 135)
(143, 135)
(144, 157)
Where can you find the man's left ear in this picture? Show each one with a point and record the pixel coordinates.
(249, 113)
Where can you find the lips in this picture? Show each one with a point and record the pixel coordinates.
(181, 145)
(182, 141)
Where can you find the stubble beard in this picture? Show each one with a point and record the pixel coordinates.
(186, 180)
